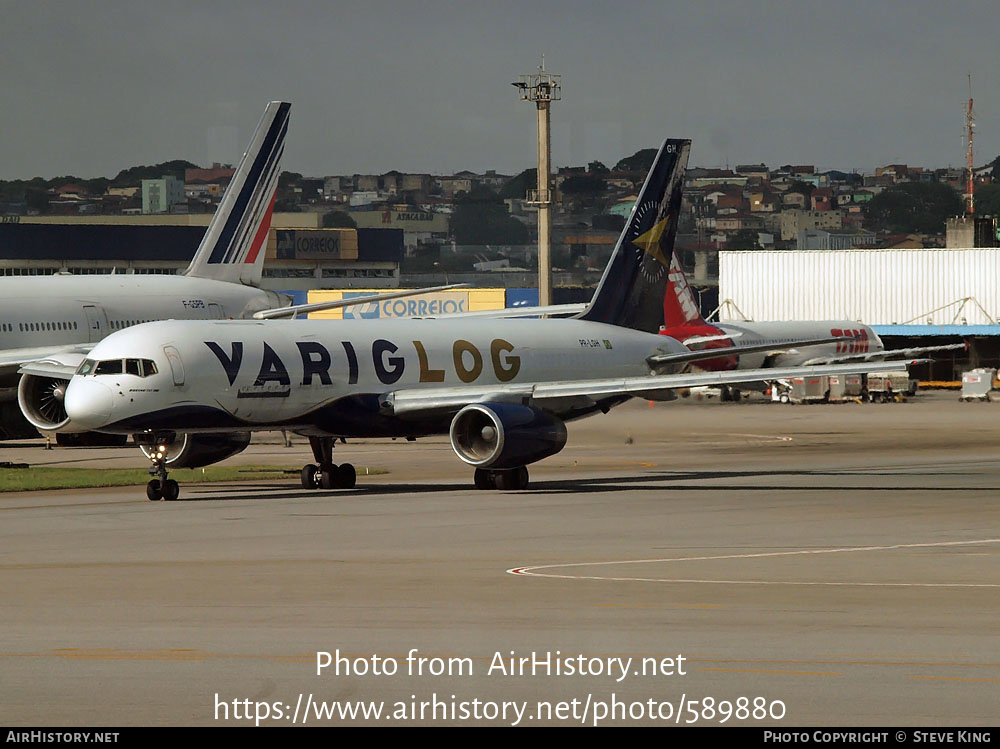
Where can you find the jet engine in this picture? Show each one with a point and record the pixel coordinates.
(505, 435)
(195, 450)
(41, 390)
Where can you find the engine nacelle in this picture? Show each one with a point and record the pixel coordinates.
(41, 401)
(196, 450)
(41, 390)
(505, 435)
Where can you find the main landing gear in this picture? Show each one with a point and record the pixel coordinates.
(514, 478)
(161, 487)
(327, 475)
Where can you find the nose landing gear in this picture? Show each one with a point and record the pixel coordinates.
(327, 475)
(160, 487)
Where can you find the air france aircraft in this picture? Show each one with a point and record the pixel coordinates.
(52, 319)
(792, 343)
(191, 392)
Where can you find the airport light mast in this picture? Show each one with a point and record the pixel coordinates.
(542, 88)
(970, 185)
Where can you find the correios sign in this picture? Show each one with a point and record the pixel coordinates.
(316, 244)
(442, 303)
(425, 305)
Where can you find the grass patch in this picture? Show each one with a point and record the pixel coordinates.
(30, 479)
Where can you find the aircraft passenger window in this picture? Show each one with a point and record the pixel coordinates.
(148, 367)
(86, 367)
(132, 367)
(110, 366)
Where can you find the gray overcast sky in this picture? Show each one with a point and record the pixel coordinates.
(91, 87)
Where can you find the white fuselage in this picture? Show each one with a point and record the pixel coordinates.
(45, 311)
(327, 376)
(783, 335)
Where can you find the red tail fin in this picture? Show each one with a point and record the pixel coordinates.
(680, 308)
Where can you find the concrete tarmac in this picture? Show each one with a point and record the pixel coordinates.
(835, 565)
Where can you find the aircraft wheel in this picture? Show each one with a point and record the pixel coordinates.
(483, 479)
(516, 478)
(348, 476)
(308, 476)
(171, 491)
(520, 477)
(328, 478)
(153, 491)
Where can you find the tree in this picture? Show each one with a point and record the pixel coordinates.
(914, 207)
(517, 187)
(339, 220)
(480, 217)
(38, 200)
(806, 188)
(133, 176)
(988, 200)
(596, 167)
(640, 161)
(995, 174)
(581, 184)
(744, 239)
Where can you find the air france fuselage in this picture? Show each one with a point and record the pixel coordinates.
(46, 311)
(328, 376)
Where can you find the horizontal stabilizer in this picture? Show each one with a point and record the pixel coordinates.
(715, 353)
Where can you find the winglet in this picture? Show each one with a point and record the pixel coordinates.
(233, 246)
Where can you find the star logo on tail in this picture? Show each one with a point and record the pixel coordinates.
(649, 242)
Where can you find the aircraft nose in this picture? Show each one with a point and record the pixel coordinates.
(88, 402)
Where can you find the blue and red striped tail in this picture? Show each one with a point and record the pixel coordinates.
(233, 247)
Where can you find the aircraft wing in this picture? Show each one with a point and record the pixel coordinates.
(552, 309)
(298, 309)
(905, 353)
(20, 358)
(415, 402)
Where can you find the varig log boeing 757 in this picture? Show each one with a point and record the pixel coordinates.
(47, 324)
(501, 389)
(52, 319)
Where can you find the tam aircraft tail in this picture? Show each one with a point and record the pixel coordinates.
(233, 246)
(631, 292)
(680, 308)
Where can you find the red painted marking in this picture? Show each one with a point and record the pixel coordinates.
(258, 240)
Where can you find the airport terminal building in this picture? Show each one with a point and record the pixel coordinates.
(300, 255)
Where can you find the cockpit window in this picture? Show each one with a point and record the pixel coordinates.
(136, 367)
(109, 366)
